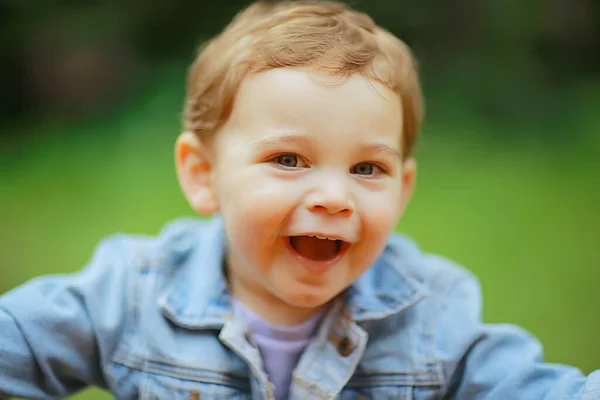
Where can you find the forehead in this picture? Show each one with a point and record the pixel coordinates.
(303, 101)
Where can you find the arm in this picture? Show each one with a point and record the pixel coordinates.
(56, 332)
(499, 361)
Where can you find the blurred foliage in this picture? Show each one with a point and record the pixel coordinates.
(518, 50)
(509, 158)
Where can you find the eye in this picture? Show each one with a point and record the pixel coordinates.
(289, 161)
(364, 168)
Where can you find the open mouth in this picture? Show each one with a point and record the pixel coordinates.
(317, 249)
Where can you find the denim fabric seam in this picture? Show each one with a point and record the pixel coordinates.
(428, 332)
(400, 378)
(437, 307)
(123, 348)
(154, 368)
(176, 371)
(311, 388)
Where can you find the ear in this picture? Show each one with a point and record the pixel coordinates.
(194, 171)
(409, 176)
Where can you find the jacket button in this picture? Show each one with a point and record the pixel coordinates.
(345, 347)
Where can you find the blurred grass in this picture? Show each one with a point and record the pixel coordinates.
(520, 211)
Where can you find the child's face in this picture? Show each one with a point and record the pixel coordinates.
(302, 157)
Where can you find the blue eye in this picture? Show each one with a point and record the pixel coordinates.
(287, 160)
(364, 168)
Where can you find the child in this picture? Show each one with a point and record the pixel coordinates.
(300, 122)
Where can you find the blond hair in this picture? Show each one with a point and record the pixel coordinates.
(325, 35)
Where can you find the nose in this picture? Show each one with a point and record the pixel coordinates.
(330, 196)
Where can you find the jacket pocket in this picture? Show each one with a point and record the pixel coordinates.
(156, 386)
(417, 386)
(380, 392)
(390, 393)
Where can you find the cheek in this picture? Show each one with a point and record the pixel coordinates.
(250, 245)
(379, 214)
(380, 211)
(259, 201)
(254, 208)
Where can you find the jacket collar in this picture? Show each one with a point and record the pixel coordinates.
(198, 297)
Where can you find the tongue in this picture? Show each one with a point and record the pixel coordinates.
(313, 248)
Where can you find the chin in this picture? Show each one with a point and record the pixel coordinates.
(307, 297)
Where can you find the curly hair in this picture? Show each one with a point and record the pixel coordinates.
(326, 36)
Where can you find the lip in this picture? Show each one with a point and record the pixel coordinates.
(322, 234)
(316, 267)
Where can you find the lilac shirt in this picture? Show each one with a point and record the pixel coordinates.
(279, 346)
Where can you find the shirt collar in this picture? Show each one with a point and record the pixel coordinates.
(198, 298)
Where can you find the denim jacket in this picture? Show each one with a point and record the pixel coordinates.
(152, 318)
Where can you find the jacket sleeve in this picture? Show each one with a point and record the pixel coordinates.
(56, 332)
(499, 361)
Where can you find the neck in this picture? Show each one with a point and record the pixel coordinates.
(268, 306)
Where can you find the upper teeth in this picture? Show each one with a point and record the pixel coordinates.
(323, 237)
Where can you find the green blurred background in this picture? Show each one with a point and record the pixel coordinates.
(509, 179)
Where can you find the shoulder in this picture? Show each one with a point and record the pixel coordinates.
(406, 278)
(436, 273)
(162, 251)
(124, 263)
(451, 300)
(450, 311)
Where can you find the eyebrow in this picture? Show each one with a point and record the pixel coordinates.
(307, 141)
(278, 140)
(385, 149)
